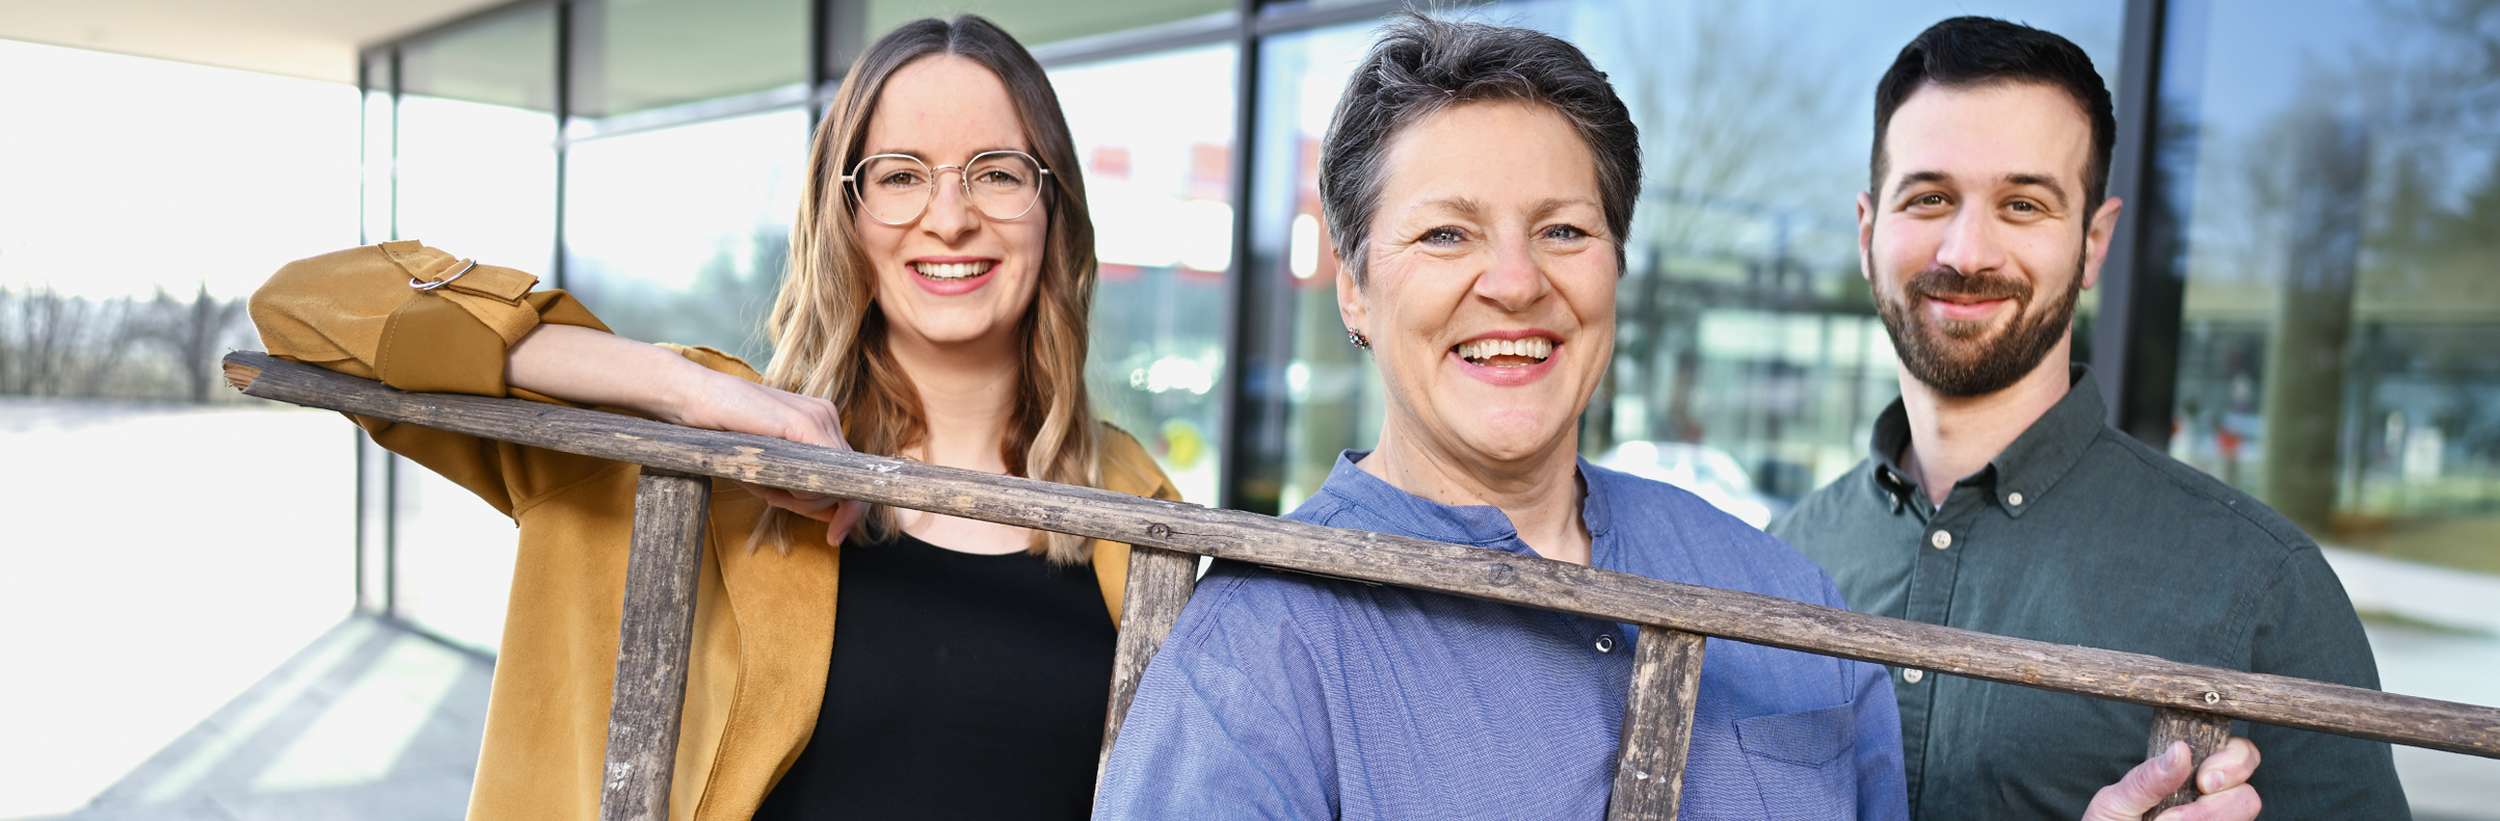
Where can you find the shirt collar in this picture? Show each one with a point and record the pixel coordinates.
(1387, 506)
(1884, 448)
(2020, 474)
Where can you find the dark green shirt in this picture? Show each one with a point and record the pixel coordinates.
(2079, 534)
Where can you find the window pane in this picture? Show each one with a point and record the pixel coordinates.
(681, 234)
(630, 56)
(141, 203)
(1036, 23)
(2332, 200)
(476, 140)
(1745, 334)
(378, 128)
(372, 463)
(1158, 181)
(476, 177)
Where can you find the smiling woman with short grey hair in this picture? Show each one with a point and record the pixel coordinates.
(1480, 181)
(1419, 71)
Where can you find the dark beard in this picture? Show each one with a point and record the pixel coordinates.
(1951, 357)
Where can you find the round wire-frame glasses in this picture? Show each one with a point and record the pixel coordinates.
(896, 189)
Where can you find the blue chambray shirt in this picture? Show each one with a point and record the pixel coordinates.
(1281, 695)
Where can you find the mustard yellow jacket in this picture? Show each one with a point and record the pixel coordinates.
(763, 629)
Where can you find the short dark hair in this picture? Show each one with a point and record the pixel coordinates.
(1421, 66)
(1974, 51)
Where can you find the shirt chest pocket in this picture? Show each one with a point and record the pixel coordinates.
(1800, 761)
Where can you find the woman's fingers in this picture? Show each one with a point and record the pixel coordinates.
(839, 515)
(812, 421)
(844, 519)
(821, 509)
(810, 504)
(811, 501)
(802, 419)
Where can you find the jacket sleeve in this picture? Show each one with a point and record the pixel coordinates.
(2306, 628)
(358, 312)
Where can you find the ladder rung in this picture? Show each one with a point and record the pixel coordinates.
(1657, 725)
(1159, 583)
(653, 635)
(2204, 734)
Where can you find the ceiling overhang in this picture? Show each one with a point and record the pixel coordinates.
(313, 39)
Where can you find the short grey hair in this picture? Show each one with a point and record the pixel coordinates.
(1422, 66)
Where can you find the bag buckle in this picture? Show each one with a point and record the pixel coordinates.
(424, 285)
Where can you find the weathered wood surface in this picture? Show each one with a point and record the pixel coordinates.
(1375, 557)
(1657, 726)
(1159, 582)
(655, 633)
(2204, 734)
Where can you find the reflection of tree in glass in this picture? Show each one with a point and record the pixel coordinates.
(58, 345)
(2352, 232)
(195, 335)
(1731, 129)
(51, 344)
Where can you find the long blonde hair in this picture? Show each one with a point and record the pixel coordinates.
(829, 339)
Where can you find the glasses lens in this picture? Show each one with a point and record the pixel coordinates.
(1004, 184)
(893, 189)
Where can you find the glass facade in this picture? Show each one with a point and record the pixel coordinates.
(1749, 356)
(474, 169)
(2328, 203)
(1159, 183)
(1328, 394)
(681, 234)
(2304, 285)
(1037, 24)
(373, 464)
(476, 152)
(2335, 222)
(633, 56)
(168, 541)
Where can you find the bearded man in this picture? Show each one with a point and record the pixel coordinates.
(1997, 498)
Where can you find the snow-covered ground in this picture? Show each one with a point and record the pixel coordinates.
(155, 561)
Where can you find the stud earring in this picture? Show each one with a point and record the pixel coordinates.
(1359, 340)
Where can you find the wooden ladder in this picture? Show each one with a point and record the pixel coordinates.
(2192, 703)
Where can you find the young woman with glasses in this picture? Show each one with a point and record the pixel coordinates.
(935, 309)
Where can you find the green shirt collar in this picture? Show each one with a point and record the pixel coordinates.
(2022, 473)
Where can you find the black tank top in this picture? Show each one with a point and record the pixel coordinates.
(962, 686)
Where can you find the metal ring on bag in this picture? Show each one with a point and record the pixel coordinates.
(424, 285)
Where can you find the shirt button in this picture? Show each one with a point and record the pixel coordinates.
(2014, 499)
(1940, 540)
(1606, 644)
(1913, 676)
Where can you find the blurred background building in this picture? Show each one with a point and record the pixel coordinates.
(2304, 300)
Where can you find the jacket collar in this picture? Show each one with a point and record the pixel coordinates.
(782, 604)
